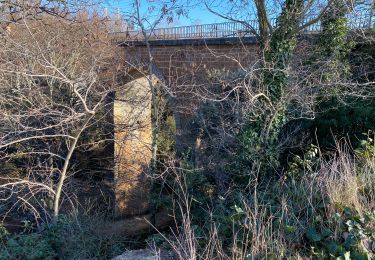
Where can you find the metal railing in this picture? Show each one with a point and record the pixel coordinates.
(231, 29)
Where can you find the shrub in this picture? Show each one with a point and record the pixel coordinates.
(26, 246)
(72, 237)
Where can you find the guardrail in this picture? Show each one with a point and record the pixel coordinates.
(231, 29)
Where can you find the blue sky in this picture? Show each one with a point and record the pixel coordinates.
(197, 13)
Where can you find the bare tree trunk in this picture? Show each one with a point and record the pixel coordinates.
(60, 184)
(264, 24)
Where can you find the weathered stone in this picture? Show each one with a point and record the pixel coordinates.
(141, 254)
(145, 254)
(133, 137)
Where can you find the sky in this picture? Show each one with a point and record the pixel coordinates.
(197, 13)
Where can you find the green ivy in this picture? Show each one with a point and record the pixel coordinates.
(259, 137)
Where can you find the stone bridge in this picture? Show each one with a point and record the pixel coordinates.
(181, 55)
(178, 63)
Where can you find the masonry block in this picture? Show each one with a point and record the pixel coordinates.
(132, 147)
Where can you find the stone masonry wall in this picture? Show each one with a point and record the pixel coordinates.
(181, 66)
(179, 61)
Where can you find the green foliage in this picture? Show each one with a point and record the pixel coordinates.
(259, 137)
(366, 149)
(308, 163)
(166, 139)
(338, 115)
(25, 246)
(353, 237)
(32, 246)
(282, 45)
(259, 145)
(198, 188)
(3, 233)
(69, 238)
(333, 46)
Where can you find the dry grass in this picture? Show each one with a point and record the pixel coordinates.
(312, 198)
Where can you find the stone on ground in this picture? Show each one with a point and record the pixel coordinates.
(144, 254)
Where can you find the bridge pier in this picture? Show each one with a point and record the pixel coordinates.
(132, 147)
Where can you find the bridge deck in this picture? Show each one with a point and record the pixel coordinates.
(231, 29)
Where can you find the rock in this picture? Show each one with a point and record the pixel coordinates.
(345, 235)
(141, 254)
(145, 254)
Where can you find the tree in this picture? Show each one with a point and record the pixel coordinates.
(56, 81)
(272, 98)
(14, 11)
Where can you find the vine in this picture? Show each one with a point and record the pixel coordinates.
(259, 137)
